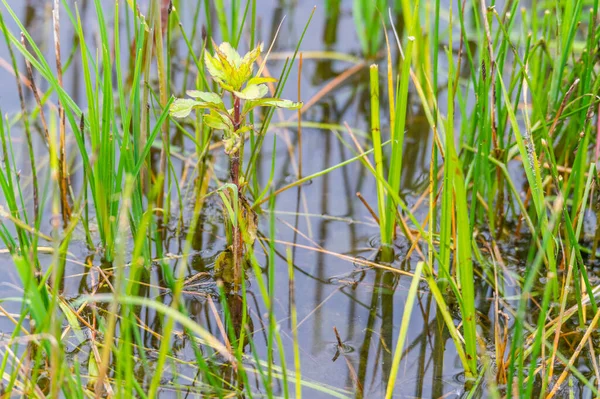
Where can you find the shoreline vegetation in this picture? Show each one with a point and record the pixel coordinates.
(195, 174)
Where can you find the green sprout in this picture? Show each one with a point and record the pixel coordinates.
(235, 75)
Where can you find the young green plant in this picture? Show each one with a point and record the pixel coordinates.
(234, 75)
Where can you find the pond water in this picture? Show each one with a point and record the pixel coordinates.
(323, 222)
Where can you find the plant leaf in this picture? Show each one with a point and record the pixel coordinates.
(252, 92)
(271, 102)
(229, 69)
(182, 107)
(244, 72)
(93, 369)
(218, 121)
(214, 123)
(248, 222)
(226, 87)
(224, 267)
(228, 66)
(251, 56)
(243, 129)
(205, 96)
(215, 101)
(241, 76)
(72, 319)
(214, 66)
(260, 79)
(231, 55)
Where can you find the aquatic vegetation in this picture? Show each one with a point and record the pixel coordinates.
(234, 74)
(367, 20)
(425, 224)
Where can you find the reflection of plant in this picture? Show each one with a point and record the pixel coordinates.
(368, 24)
(234, 74)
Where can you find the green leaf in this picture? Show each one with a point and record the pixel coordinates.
(208, 98)
(214, 123)
(229, 69)
(205, 96)
(215, 67)
(226, 87)
(248, 222)
(243, 129)
(73, 321)
(218, 121)
(275, 102)
(244, 70)
(231, 55)
(182, 107)
(224, 267)
(93, 370)
(252, 92)
(241, 76)
(251, 56)
(270, 102)
(259, 79)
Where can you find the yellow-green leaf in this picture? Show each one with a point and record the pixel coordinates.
(271, 102)
(227, 67)
(224, 268)
(214, 123)
(73, 321)
(251, 56)
(240, 76)
(214, 66)
(218, 121)
(226, 87)
(231, 55)
(243, 129)
(181, 107)
(259, 79)
(212, 100)
(205, 96)
(252, 92)
(249, 222)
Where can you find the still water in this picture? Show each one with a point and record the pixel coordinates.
(323, 222)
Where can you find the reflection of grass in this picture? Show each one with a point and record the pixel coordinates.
(368, 24)
(511, 106)
(476, 188)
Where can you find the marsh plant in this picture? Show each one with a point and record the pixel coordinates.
(235, 76)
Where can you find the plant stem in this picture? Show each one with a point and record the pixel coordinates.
(376, 134)
(63, 182)
(234, 170)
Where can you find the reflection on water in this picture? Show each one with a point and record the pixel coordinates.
(364, 305)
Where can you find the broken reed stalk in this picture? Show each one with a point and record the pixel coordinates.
(62, 161)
